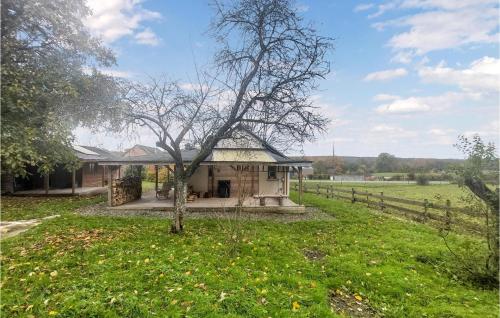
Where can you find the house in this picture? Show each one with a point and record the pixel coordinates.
(243, 166)
(90, 178)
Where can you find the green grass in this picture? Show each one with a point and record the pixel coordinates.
(132, 267)
(149, 186)
(24, 208)
(432, 192)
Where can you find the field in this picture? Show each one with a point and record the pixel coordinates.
(431, 192)
(132, 267)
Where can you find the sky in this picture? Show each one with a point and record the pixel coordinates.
(408, 76)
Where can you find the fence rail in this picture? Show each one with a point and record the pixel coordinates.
(422, 211)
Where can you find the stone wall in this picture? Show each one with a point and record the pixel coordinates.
(125, 190)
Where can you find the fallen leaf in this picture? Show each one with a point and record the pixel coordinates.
(295, 306)
(358, 298)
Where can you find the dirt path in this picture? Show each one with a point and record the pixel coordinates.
(13, 228)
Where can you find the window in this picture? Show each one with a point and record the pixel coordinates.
(271, 172)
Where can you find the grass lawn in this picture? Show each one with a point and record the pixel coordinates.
(24, 208)
(410, 191)
(132, 267)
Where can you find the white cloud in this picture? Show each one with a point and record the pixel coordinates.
(395, 131)
(116, 73)
(383, 8)
(439, 30)
(403, 57)
(363, 7)
(384, 97)
(483, 75)
(422, 104)
(439, 24)
(404, 106)
(440, 131)
(492, 129)
(109, 72)
(445, 4)
(114, 19)
(443, 24)
(386, 75)
(147, 37)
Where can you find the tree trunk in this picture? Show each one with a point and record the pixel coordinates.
(490, 197)
(180, 195)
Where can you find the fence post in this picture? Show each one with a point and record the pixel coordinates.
(327, 192)
(448, 215)
(367, 199)
(353, 197)
(426, 210)
(317, 188)
(382, 206)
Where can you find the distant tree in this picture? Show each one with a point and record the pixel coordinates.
(49, 81)
(320, 168)
(386, 163)
(267, 66)
(422, 179)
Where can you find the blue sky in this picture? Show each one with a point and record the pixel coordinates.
(408, 76)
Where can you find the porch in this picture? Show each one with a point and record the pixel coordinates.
(148, 201)
(83, 191)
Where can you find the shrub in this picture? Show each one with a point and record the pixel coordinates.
(135, 171)
(422, 179)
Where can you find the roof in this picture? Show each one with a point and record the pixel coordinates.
(94, 154)
(145, 149)
(243, 147)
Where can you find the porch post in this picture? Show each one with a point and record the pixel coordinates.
(46, 183)
(300, 185)
(103, 176)
(73, 180)
(110, 186)
(156, 178)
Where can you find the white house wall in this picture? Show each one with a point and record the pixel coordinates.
(271, 187)
(199, 180)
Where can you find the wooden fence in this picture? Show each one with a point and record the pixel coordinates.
(422, 211)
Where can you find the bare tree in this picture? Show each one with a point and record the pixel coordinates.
(267, 66)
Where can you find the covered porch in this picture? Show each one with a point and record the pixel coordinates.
(260, 186)
(149, 201)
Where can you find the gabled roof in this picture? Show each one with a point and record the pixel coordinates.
(247, 147)
(146, 149)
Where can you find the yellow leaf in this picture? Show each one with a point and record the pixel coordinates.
(53, 274)
(52, 313)
(295, 306)
(146, 260)
(173, 302)
(188, 273)
(359, 298)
